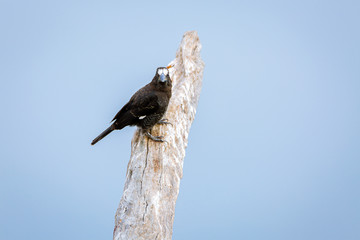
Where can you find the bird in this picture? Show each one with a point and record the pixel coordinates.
(145, 108)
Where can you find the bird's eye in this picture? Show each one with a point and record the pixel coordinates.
(166, 72)
(159, 71)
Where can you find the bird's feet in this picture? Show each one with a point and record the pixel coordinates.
(164, 121)
(155, 138)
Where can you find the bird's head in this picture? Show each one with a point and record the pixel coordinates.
(162, 76)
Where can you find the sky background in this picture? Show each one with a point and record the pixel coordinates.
(274, 151)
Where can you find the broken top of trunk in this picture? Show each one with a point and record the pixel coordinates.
(147, 207)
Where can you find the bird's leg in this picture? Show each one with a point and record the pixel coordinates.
(156, 139)
(164, 121)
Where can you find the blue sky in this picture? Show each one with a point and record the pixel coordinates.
(275, 147)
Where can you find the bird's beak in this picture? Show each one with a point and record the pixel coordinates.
(162, 78)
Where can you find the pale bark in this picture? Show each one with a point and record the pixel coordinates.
(147, 207)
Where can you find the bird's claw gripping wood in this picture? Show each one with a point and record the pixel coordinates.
(155, 138)
(164, 121)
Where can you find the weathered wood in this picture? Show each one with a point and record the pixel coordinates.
(147, 207)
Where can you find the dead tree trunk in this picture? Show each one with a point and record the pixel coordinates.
(147, 207)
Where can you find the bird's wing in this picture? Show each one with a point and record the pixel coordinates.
(145, 105)
(139, 105)
(121, 112)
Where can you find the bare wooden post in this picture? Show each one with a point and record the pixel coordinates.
(147, 207)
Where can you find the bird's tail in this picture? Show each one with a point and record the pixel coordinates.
(103, 134)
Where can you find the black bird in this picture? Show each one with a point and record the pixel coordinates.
(145, 108)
